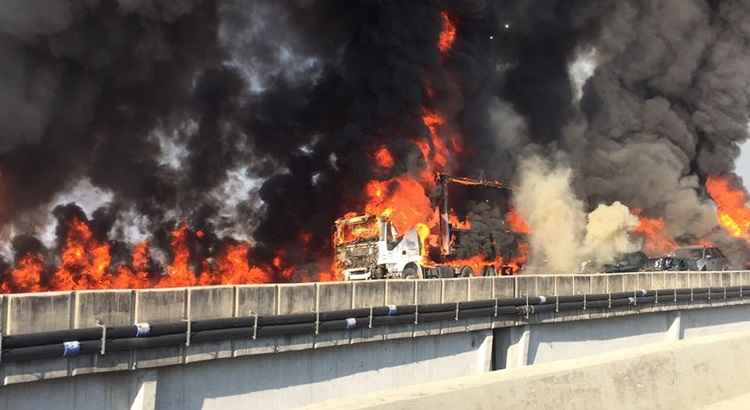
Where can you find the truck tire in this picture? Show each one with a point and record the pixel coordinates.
(446, 272)
(466, 272)
(379, 273)
(411, 271)
(489, 270)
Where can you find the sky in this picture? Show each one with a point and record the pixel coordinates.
(743, 164)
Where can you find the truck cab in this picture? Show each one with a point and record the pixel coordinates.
(370, 247)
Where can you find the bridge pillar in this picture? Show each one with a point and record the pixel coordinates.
(143, 386)
(518, 349)
(675, 331)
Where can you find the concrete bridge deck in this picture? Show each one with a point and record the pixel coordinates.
(290, 371)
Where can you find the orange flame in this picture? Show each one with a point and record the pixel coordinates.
(234, 267)
(136, 275)
(383, 158)
(731, 203)
(516, 223)
(85, 261)
(26, 277)
(457, 223)
(179, 272)
(447, 33)
(656, 241)
(403, 197)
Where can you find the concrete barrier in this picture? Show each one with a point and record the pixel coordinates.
(369, 293)
(689, 374)
(335, 296)
(455, 290)
(505, 287)
(25, 313)
(399, 292)
(36, 312)
(297, 298)
(209, 302)
(480, 288)
(260, 299)
(162, 305)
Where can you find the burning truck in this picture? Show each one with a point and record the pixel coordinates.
(370, 246)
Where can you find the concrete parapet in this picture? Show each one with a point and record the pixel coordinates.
(429, 291)
(160, 305)
(335, 296)
(526, 285)
(629, 282)
(682, 281)
(369, 293)
(210, 302)
(109, 307)
(400, 292)
(260, 299)
(582, 284)
(297, 298)
(505, 287)
(455, 290)
(645, 280)
(616, 283)
(546, 285)
(481, 288)
(38, 312)
(599, 284)
(564, 285)
(26, 313)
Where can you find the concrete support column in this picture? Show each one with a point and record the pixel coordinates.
(484, 352)
(518, 350)
(675, 331)
(143, 386)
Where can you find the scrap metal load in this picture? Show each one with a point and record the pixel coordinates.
(370, 247)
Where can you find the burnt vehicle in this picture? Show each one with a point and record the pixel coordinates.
(701, 258)
(629, 262)
(667, 263)
(370, 247)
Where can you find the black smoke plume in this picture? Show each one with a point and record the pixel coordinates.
(257, 120)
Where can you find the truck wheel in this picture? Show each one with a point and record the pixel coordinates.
(379, 273)
(489, 270)
(466, 271)
(411, 271)
(446, 272)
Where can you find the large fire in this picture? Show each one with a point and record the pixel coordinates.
(731, 204)
(655, 240)
(86, 263)
(86, 260)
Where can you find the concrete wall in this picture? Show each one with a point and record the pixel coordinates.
(688, 374)
(302, 370)
(537, 343)
(270, 381)
(24, 313)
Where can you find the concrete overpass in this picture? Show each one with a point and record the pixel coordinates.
(292, 371)
(708, 372)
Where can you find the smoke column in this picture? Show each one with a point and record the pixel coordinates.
(258, 120)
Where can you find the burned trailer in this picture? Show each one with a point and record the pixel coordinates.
(475, 246)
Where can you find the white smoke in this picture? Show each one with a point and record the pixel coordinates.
(563, 236)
